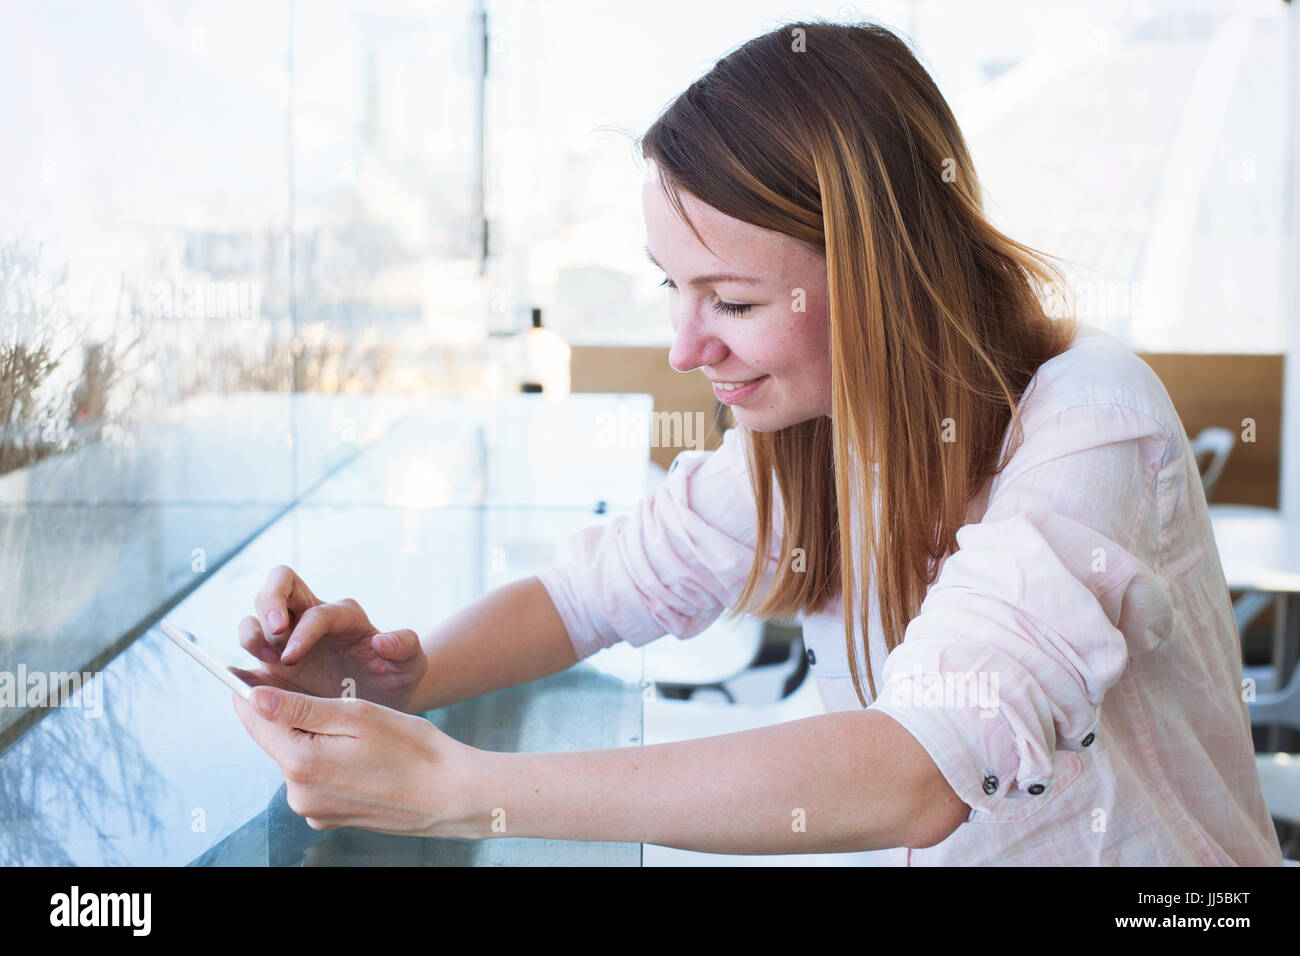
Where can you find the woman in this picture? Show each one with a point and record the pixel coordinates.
(1052, 673)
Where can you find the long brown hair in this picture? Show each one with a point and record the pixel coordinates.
(836, 135)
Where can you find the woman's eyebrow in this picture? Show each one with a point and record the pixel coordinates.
(704, 280)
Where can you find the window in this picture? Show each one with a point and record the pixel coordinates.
(1142, 143)
(218, 217)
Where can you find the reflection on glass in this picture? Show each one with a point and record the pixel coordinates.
(270, 203)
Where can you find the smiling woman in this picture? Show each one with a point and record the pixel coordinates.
(943, 480)
(933, 316)
(996, 512)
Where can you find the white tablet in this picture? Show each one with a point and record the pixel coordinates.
(185, 641)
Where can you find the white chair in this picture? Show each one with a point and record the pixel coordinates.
(667, 721)
(1212, 445)
(1279, 777)
(1277, 706)
(1252, 601)
(1279, 773)
(708, 660)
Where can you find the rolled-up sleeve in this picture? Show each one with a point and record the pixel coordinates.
(1034, 616)
(670, 567)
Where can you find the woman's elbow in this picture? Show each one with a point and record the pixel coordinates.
(939, 812)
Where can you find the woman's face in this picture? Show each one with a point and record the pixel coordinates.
(752, 318)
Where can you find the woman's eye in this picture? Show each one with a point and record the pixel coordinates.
(732, 308)
(726, 308)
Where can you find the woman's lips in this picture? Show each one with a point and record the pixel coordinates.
(739, 393)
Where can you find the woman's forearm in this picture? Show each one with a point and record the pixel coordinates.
(509, 636)
(840, 782)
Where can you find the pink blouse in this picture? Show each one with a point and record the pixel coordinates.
(1074, 671)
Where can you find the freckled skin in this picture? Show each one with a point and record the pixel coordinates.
(793, 348)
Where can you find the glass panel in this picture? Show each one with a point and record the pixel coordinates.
(1142, 143)
(387, 256)
(143, 263)
(236, 249)
(209, 205)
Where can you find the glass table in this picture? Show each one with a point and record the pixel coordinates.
(445, 499)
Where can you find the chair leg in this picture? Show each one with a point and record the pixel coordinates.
(1286, 632)
(1249, 606)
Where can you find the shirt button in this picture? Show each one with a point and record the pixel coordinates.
(990, 784)
(1036, 789)
(812, 658)
(1087, 741)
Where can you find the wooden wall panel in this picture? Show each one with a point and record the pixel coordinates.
(1207, 390)
(1221, 390)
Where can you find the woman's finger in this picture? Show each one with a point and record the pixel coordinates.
(252, 640)
(339, 618)
(281, 602)
(263, 679)
(281, 744)
(316, 715)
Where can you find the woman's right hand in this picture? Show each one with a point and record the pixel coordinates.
(312, 647)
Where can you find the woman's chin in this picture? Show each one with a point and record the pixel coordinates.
(765, 419)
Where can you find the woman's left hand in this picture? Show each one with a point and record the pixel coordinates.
(348, 762)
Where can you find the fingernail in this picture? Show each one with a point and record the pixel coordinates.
(267, 703)
(276, 621)
(288, 651)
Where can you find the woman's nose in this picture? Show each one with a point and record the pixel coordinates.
(694, 347)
